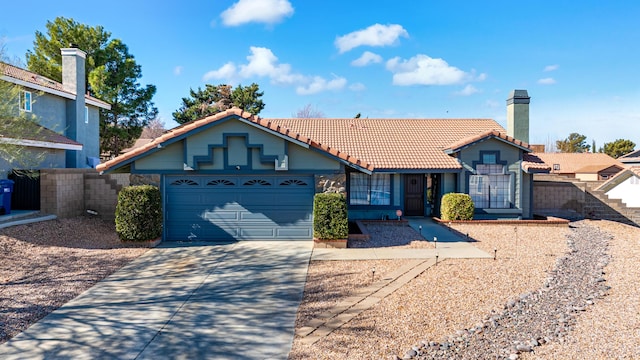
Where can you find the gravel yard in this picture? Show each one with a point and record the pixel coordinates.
(442, 303)
(46, 264)
(43, 265)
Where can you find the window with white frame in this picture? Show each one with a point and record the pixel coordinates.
(372, 189)
(491, 185)
(86, 114)
(25, 101)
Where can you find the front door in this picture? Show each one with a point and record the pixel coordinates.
(414, 195)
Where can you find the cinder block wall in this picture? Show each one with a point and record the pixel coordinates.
(62, 192)
(71, 192)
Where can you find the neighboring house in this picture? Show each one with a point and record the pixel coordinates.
(237, 176)
(69, 118)
(624, 186)
(582, 166)
(632, 158)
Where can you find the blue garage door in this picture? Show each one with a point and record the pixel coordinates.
(222, 208)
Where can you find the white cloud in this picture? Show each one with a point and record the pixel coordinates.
(374, 35)
(357, 87)
(260, 11)
(227, 71)
(424, 70)
(178, 70)
(367, 58)
(263, 63)
(319, 84)
(546, 81)
(551, 67)
(468, 90)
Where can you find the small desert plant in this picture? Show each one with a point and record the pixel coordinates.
(330, 217)
(456, 206)
(139, 213)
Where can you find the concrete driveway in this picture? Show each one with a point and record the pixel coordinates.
(207, 301)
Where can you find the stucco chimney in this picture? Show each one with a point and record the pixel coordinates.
(73, 76)
(73, 81)
(518, 115)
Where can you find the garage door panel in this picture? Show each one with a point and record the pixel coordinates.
(221, 215)
(247, 210)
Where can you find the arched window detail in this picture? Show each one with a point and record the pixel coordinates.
(181, 182)
(293, 182)
(257, 182)
(220, 182)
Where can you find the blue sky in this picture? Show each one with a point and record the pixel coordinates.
(406, 59)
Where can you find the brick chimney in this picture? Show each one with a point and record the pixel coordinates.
(518, 115)
(73, 81)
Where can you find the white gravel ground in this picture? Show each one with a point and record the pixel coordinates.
(457, 294)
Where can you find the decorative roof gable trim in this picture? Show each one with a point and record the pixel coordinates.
(183, 131)
(465, 143)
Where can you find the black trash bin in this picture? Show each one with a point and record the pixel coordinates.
(6, 188)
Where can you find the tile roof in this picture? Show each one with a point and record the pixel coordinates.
(460, 144)
(571, 162)
(533, 164)
(392, 143)
(381, 144)
(35, 79)
(594, 169)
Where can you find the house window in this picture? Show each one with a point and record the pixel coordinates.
(369, 189)
(25, 101)
(491, 185)
(556, 166)
(86, 114)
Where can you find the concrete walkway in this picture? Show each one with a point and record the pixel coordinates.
(234, 301)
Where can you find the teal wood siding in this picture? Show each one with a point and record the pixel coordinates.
(229, 208)
(512, 156)
(234, 147)
(169, 158)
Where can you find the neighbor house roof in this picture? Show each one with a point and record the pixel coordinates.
(570, 163)
(380, 144)
(619, 178)
(594, 169)
(39, 136)
(32, 80)
(631, 157)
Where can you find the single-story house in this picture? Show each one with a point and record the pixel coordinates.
(582, 166)
(625, 186)
(237, 176)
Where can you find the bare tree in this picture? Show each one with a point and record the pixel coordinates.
(307, 112)
(154, 129)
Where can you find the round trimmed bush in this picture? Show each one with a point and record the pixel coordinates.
(456, 206)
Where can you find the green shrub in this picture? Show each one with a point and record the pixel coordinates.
(456, 206)
(139, 213)
(330, 217)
